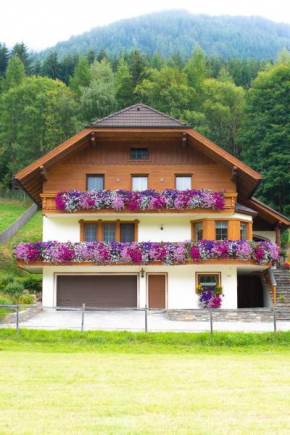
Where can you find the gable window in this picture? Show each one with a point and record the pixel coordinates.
(199, 231)
(90, 232)
(139, 154)
(208, 279)
(95, 182)
(221, 230)
(139, 182)
(183, 182)
(243, 230)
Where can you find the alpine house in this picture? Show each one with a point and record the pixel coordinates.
(140, 209)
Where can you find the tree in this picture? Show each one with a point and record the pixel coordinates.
(99, 98)
(4, 57)
(21, 51)
(34, 117)
(196, 71)
(51, 66)
(265, 134)
(137, 66)
(81, 77)
(166, 90)
(124, 85)
(14, 74)
(67, 66)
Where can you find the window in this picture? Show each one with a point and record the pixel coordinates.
(90, 232)
(109, 232)
(243, 230)
(221, 230)
(95, 182)
(139, 182)
(183, 182)
(127, 233)
(139, 154)
(209, 279)
(199, 231)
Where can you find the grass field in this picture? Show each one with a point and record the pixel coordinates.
(125, 383)
(10, 211)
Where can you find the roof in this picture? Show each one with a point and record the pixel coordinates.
(243, 209)
(265, 212)
(138, 115)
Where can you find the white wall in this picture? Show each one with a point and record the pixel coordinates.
(176, 228)
(181, 282)
(271, 235)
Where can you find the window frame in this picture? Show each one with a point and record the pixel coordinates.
(215, 228)
(193, 229)
(93, 174)
(199, 274)
(100, 231)
(140, 175)
(184, 175)
(139, 160)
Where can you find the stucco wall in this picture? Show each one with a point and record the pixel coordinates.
(175, 228)
(267, 234)
(181, 282)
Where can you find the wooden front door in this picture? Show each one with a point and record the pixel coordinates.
(156, 291)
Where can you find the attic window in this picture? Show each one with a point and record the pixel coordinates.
(139, 154)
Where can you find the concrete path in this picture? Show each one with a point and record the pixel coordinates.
(135, 321)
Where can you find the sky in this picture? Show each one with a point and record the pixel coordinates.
(43, 23)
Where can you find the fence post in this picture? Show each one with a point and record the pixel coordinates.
(274, 319)
(146, 324)
(83, 317)
(210, 321)
(17, 319)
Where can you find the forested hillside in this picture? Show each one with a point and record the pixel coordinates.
(169, 32)
(242, 105)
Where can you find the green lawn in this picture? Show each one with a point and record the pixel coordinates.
(125, 383)
(10, 211)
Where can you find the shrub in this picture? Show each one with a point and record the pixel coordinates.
(31, 284)
(26, 299)
(5, 299)
(14, 288)
(7, 280)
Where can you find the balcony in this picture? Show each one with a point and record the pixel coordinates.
(129, 202)
(146, 253)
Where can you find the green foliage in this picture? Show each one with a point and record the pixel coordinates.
(265, 134)
(82, 75)
(26, 299)
(7, 279)
(14, 74)
(14, 288)
(4, 57)
(170, 32)
(21, 51)
(124, 85)
(51, 66)
(5, 299)
(31, 284)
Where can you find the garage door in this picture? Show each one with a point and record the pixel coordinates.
(97, 291)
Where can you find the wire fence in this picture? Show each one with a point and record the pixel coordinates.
(102, 318)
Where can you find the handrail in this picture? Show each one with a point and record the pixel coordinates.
(272, 283)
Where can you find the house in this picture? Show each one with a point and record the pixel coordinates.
(205, 230)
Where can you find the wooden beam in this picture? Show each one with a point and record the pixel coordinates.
(43, 173)
(93, 138)
(184, 140)
(278, 233)
(234, 173)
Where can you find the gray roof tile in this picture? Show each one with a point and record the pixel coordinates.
(139, 115)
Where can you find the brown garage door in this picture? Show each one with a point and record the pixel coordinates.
(97, 290)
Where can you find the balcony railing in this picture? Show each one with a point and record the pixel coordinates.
(144, 253)
(168, 201)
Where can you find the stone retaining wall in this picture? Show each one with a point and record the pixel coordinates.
(220, 315)
(23, 315)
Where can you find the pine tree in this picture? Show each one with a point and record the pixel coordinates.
(82, 75)
(15, 74)
(124, 85)
(4, 58)
(51, 66)
(21, 51)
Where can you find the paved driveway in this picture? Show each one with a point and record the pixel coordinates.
(135, 321)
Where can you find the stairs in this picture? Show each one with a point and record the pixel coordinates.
(282, 277)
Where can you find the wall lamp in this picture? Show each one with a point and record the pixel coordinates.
(142, 273)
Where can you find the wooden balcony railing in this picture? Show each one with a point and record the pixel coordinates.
(49, 207)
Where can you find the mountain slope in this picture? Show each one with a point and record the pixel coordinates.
(172, 31)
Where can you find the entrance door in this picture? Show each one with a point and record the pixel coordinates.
(250, 291)
(156, 291)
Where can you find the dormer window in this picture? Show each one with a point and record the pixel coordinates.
(139, 154)
(95, 182)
